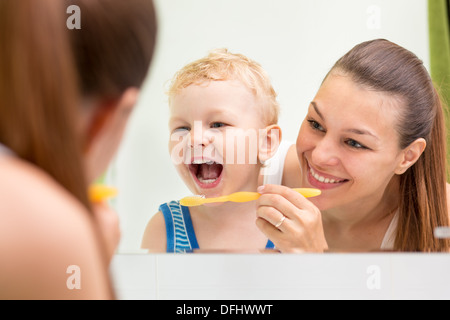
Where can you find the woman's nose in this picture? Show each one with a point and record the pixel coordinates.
(325, 153)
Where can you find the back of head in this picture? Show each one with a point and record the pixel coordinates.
(45, 69)
(115, 44)
(221, 65)
(386, 67)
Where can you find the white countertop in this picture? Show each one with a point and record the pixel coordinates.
(281, 276)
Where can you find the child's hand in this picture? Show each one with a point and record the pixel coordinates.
(108, 222)
(292, 222)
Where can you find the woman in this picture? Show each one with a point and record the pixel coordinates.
(374, 142)
(61, 119)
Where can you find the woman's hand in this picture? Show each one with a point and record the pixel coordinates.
(108, 222)
(289, 220)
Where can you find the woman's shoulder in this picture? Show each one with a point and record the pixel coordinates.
(43, 232)
(27, 190)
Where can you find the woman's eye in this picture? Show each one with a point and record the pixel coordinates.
(216, 125)
(315, 125)
(355, 144)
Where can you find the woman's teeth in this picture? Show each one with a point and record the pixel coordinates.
(323, 179)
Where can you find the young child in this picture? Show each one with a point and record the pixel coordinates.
(223, 124)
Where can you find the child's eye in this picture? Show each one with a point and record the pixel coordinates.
(355, 144)
(216, 125)
(180, 129)
(315, 125)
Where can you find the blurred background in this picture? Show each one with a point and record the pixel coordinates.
(296, 41)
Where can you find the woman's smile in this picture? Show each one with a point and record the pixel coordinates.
(322, 180)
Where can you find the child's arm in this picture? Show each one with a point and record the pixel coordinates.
(155, 238)
(291, 172)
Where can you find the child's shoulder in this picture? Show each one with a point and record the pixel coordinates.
(155, 238)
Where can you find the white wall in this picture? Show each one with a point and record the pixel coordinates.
(296, 41)
(274, 277)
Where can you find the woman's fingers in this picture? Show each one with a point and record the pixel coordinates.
(292, 222)
(284, 200)
(273, 216)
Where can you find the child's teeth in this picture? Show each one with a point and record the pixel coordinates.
(206, 180)
(209, 162)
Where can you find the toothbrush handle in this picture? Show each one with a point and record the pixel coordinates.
(308, 192)
(218, 199)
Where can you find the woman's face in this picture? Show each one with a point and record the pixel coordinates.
(348, 145)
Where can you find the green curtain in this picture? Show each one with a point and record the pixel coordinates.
(439, 29)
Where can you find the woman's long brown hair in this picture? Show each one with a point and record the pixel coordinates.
(38, 91)
(386, 67)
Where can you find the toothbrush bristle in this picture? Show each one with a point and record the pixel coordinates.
(191, 201)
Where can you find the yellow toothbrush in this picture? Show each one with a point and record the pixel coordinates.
(99, 193)
(193, 201)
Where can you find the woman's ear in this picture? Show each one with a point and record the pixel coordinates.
(269, 141)
(105, 129)
(410, 155)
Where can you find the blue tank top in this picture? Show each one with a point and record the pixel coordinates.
(180, 230)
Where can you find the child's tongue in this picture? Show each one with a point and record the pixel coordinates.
(209, 172)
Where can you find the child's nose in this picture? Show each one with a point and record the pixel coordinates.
(200, 139)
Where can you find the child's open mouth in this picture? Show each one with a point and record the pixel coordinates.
(206, 173)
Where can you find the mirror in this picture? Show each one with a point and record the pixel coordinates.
(295, 41)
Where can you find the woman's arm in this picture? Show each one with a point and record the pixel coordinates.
(108, 222)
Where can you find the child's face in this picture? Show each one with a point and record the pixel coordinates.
(215, 130)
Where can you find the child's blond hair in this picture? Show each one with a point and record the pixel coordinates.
(221, 65)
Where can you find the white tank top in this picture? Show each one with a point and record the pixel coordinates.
(273, 168)
(389, 237)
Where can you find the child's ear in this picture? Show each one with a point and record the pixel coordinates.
(269, 141)
(410, 155)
